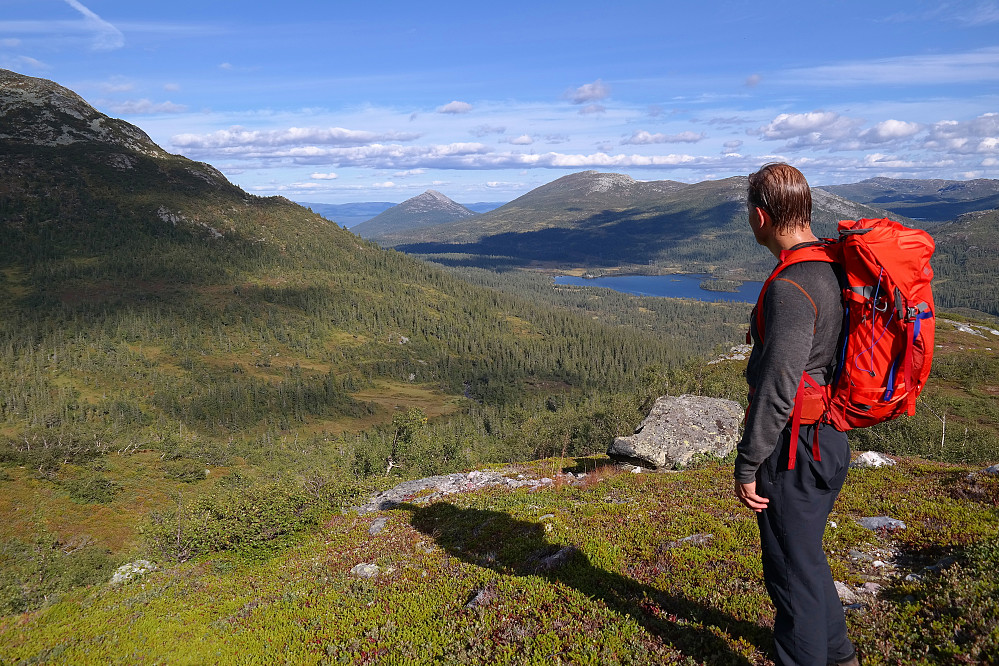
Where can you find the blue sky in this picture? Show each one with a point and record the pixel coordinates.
(347, 101)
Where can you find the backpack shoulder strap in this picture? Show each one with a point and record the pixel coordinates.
(821, 250)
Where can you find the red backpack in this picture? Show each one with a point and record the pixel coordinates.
(887, 345)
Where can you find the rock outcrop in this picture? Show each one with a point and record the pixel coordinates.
(869, 459)
(434, 487)
(679, 428)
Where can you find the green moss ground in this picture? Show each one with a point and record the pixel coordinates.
(629, 591)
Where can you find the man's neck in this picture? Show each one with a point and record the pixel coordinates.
(780, 242)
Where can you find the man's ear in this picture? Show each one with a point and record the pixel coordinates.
(762, 218)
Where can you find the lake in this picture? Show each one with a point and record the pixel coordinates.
(669, 286)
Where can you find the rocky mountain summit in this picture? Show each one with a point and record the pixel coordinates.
(43, 113)
(424, 210)
(433, 201)
(67, 166)
(616, 186)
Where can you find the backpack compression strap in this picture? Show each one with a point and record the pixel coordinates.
(799, 401)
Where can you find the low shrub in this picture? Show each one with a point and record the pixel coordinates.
(92, 490)
(947, 617)
(252, 520)
(184, 469)
(34, 573)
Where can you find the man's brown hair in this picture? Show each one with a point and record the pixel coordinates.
(782, 191)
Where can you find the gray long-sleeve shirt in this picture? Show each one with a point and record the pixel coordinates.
(803, 322)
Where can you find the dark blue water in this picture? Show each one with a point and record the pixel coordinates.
(669, 286)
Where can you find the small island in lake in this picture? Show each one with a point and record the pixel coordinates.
(713, 284)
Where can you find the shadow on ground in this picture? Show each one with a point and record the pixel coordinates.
(496, 541)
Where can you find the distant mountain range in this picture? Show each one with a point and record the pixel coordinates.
(425, 210)
(928, 200)
(351, 214)
(610, 220)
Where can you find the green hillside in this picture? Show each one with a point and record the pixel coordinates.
(966, 262)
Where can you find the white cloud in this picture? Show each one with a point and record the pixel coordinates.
(387, 185)
(117, 85)
(973, 13)
(978, 66)
(643, 138)
(731, 147)
(409, 172)
(106, 36)
(977, 136)
(890, 130)
(10, 43)
(984, 13)
(729, 121)
(236, 138)
(980, 12)
(832, 131)
(888, 161)
(145, 106)
(23, 64)
(226, 66)
(324, 176)
(522, 140)
(753, 80)
(171, 87)
(485, 130)
(589, 92)
(455, 107)
(255, 151)
(591, 109)
(793, 125)
(814, 129)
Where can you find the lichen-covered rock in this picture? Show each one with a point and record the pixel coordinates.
(433, 488)
(127, 572)
(846, 593)
(680, 427)
(365, 570)
(872, 459)
(879, 522)
(377, 526)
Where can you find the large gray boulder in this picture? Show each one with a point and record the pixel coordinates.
(678, 428)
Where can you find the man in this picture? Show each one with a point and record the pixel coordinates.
(803, 320)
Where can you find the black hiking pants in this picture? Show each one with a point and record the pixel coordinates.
(809, 627)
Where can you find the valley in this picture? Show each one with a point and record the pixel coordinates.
(211, 380)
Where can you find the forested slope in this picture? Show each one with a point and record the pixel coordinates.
(160, 328)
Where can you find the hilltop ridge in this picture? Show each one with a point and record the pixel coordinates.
(593, 219)
(932, 200)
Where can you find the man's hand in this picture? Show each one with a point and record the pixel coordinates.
(746, 492)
